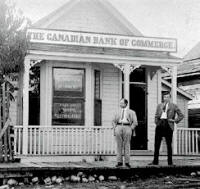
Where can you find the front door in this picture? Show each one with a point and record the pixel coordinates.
(138, 103)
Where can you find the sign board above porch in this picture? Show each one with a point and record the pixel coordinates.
(101, 40)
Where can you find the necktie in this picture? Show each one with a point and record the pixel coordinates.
(122, 117)
(164, 108)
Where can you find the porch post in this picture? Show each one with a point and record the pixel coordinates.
(25, 105)
(89, 105)
(174, 100)
(126, 82)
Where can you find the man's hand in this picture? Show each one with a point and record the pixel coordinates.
(133, 127)
(171, 120)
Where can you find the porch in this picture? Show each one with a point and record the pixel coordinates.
(140, 169)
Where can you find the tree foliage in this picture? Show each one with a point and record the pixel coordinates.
(13, 41)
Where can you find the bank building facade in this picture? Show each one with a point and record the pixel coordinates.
(82, 59)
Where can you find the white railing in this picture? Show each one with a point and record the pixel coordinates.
(188, 140)
(65, 140)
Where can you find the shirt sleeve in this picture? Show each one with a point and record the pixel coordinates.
(135, 121)
(179, 113)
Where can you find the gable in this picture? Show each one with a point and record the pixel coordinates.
(193, 54)
(97, 16)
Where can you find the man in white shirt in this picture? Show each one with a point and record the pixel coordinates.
(124, 125)
(167, 114)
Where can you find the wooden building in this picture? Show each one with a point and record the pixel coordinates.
(83, 58)
(188, 79)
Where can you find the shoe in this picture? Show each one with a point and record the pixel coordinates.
(127, 165)
(153, 163)
(119, 164)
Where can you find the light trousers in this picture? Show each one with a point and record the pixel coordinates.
(123, 139)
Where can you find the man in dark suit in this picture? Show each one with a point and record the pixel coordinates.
(167, 114)
(124, 124)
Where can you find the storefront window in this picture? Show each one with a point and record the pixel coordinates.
(68, 96)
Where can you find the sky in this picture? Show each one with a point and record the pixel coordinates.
(178, 19)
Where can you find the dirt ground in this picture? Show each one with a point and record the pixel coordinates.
(153, 182)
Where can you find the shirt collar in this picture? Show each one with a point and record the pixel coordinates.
(125, 108)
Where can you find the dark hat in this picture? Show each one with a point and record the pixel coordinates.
(166, 92)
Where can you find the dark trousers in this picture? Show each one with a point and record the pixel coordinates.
(163, 130)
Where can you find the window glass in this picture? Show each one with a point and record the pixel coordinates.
(68, 96)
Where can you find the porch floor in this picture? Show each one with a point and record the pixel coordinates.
(28, 169)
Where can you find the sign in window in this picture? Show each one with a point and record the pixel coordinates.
(68, 96)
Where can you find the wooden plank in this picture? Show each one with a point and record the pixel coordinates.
(1, 152)
(4, 121)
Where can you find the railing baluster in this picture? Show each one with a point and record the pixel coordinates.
(91, 142)
(112, 146)
(192, 142)
(30, 146)
(60, 141)
(47, 142)
(96, 140)
(63, 135)
(43, 140)
(68, 146)
(104, 139)
(52, 141)
(39, 142)
(179, 141)
(85, 141)
(72, 140)
(56, 141)
(80, 140)
(189, 142)
(182, 142)
(186, 142)
(35, 141)
(21, 141)
(100, 141)
(197, 143)
(15, 142)
(75, 140)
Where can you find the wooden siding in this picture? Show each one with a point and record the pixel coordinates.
(110, 93)
(182, 104)
(91, 17)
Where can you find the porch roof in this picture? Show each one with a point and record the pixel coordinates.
(180, 91)
(50, 48)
